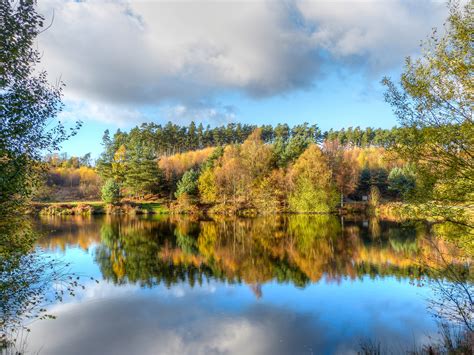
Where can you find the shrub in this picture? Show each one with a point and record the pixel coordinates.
(375, 196)
(111, 191)
(185, 204)
(401, 180)
(188, 184)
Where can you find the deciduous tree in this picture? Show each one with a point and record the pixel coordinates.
(312, 189)
(28, 103)
(434, 103)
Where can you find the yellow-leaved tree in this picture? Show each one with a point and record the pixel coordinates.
(311, 184)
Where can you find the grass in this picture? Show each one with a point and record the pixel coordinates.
(154, 207)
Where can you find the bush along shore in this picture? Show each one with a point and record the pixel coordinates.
(387, 210)
(97, 208)
(86, 208)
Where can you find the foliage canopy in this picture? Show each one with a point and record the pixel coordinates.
(28, 104)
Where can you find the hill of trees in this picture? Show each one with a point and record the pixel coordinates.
(236, 168)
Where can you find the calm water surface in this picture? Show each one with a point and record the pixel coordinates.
(272, 285)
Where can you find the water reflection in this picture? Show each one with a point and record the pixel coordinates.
(29, 280)
(217, 320)
(269, 285)
(299, 249)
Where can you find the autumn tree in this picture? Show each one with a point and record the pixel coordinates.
(312, 189)
(257, 161)
(271, 193)
(174, 166)
(207, 186)
(228, 176)
(256, 156)
(343, 164)
(119, 164)
(241, 169)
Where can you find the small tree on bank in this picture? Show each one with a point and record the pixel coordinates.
(111, 191)
(188, 184)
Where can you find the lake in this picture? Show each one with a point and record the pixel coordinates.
(294, 284)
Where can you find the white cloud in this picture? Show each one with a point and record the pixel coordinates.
(381, 33)
(144, 53)
(119, 115)
(207, 113)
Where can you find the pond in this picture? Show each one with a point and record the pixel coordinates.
(296, 284)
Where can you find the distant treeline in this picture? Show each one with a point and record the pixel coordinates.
(242, 165)
(239, 168)
(363, 138)
(171, 138)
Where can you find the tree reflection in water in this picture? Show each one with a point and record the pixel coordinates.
(29, 281)
(290, 248)
(296, 249)
(300, 249)
(453, 301)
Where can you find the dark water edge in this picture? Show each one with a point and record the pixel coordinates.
(275, 284)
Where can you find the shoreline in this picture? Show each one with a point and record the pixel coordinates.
(388, 210)
(86, 208)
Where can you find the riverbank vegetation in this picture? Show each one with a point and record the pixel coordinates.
(98, 207)
(297, 171)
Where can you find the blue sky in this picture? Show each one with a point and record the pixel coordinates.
(260, 62)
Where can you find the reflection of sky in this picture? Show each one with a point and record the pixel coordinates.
(221, 318)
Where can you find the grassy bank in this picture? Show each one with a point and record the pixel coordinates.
(400, 211)
(393, 211)
(85, 208)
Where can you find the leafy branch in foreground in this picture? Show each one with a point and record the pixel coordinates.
(434, 104)
(28, 104)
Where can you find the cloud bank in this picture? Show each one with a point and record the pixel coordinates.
(129, 54)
